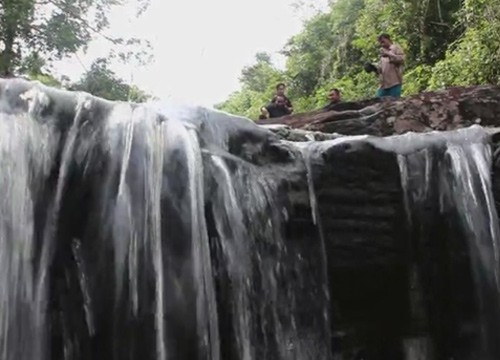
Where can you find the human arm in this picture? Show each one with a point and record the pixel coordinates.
(289, 106)
(395, 54)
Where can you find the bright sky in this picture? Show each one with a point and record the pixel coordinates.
(199, 46)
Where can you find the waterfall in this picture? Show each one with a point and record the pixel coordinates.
(129, 230)
(28, 145)
(146, 148)
(152, 231)
(249, 217)
(308, 153)
(457, 172)
(445, 177)
(236, 246)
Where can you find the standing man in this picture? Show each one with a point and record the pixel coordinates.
(390, 67)
(279, 106)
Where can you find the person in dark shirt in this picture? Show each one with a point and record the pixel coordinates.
(277, 108)
(280, 91)
(280, 104)
(334, 97)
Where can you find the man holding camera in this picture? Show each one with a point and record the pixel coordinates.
(389, 68)
(280, 105)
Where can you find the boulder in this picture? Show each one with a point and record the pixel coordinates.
(448, 109)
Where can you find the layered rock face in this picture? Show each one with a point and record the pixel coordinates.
(448, 109)
(158, 232)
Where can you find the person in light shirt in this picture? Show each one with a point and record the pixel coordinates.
(390, 67)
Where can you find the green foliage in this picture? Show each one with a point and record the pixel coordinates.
(308, 54)
(344, 55)
(447, 43)
(46, 79)
(263, 69)
(246, 99)
(417, 79)
(475, 57)
(101, 81)
(259, 84)
(34, 33)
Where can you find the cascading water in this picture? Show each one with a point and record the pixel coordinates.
(125, 260)
(249, 217)
(27, 153)
(458, 173)
(146, 231)
(148, 151)
(450, 173)
(230, 225)
(310, 151)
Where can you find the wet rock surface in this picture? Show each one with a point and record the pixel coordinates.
(448, 109)
(398, 285)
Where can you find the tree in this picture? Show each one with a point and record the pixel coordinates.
(51, 29)
(258, 76)
(447, 43)
(323, 56)
(424, 28)
(475, 57)
(307, 53)
(101, 81)
(258, 86)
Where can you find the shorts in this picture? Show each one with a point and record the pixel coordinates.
(394, 91)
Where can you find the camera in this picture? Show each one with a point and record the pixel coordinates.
(369, 68)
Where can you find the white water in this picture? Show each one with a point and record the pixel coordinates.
(236, 244)
(464, 187)
(206, 304)
(249, 224)
(137, 236)
(474, 200)
(416, 173)
(246, 211)
(155, 140)
(307, 153)
(27, 151)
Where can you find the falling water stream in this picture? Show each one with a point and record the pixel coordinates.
(462, 167)
(154, 231)
(27, 151)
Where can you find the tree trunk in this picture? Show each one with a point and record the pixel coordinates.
(7, 57)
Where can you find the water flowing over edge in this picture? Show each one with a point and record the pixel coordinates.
(135, 239)
(165, 137)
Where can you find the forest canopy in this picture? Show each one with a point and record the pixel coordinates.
(34, 34)
(447, 43)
